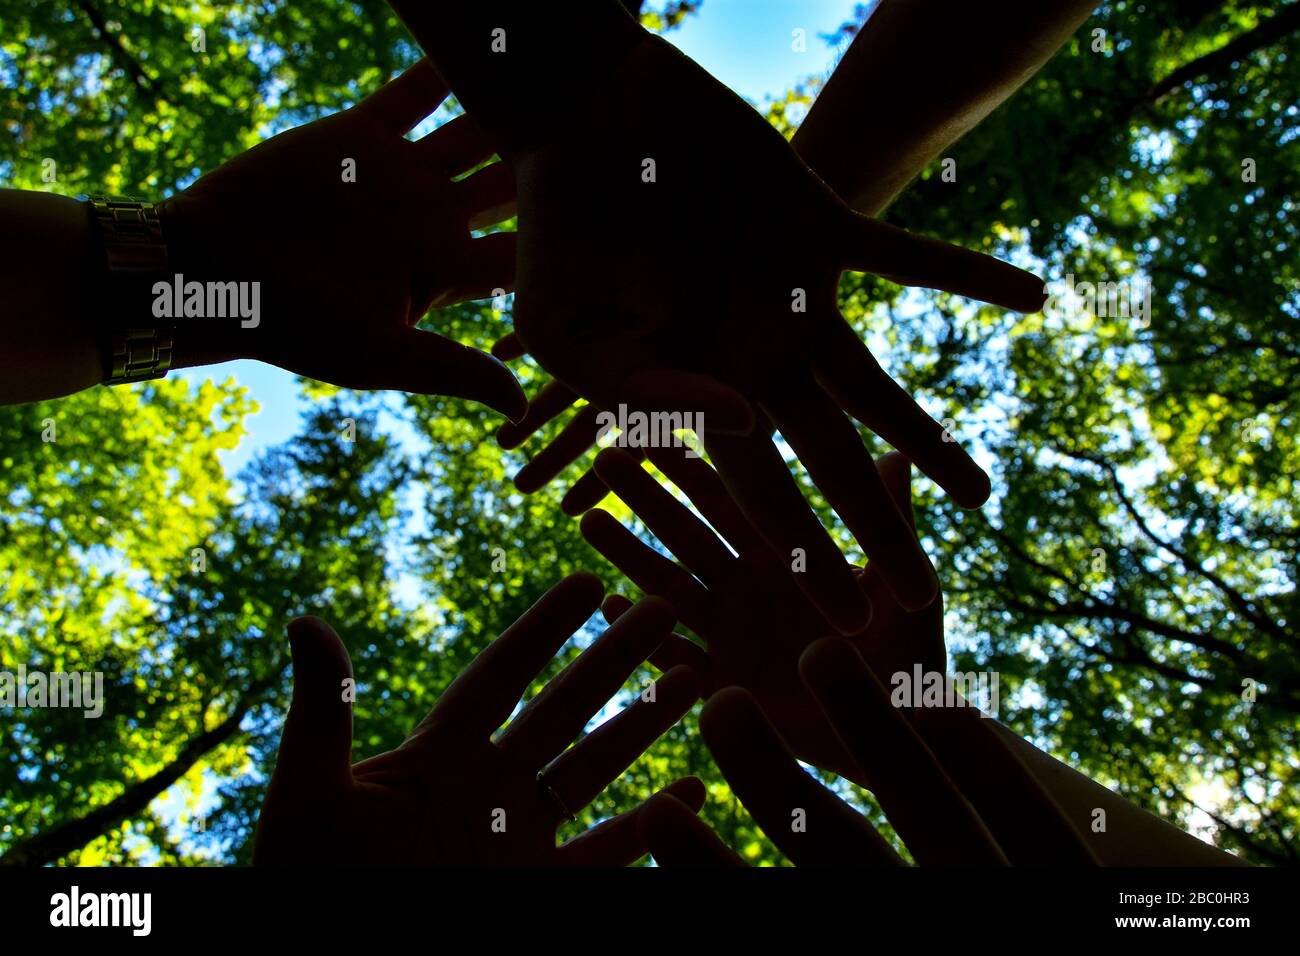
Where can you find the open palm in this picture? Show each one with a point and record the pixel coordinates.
(452, 794)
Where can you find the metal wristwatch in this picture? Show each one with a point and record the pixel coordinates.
(131, 234)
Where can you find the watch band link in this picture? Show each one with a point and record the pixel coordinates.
(139, 355)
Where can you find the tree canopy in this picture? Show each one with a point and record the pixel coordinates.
(1133, 578)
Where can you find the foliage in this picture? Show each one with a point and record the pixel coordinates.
(1138, 566)
(1137, 563)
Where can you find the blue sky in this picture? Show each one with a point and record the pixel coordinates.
(746, 44)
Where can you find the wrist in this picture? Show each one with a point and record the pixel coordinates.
(194, 255)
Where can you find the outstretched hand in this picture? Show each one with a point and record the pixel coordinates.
(741, 600)
(452, 793)
(746, 315)
(355, 233)
(955, 796)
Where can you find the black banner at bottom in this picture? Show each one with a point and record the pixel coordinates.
(254, 905)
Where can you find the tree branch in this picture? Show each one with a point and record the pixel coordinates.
(1266, 34)
(120, 54)
(1235, 597)
(53, 844)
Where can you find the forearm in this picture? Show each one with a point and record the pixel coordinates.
(48, 259)
(918, 77)
(57, 299)
(513, 64)
(1132, 836)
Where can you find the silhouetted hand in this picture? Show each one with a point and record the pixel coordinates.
(641, 308)
(968, 802)
(355, 233)
(452, 794)
(745, 606)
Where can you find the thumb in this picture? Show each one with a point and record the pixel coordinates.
(908, 259)
(316, 748)
(426, 363)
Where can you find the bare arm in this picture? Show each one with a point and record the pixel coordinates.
(1118, 833)
(1133, 837)
(918, 77)
(47, 265)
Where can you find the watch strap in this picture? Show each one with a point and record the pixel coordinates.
(131, 234)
